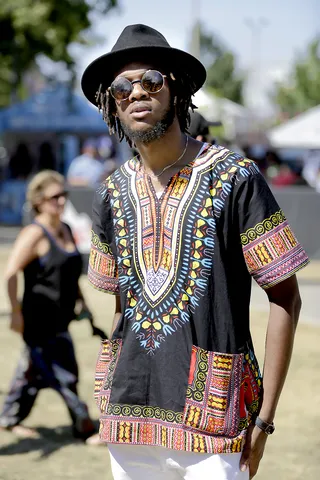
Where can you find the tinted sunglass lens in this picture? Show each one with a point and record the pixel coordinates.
(59, 195)
(152, 81)
(121, 88)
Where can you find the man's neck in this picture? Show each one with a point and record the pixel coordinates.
(160, 153)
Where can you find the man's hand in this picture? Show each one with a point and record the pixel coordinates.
(17, 322)
(253, 450)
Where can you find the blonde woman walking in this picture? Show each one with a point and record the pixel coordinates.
(46, 253)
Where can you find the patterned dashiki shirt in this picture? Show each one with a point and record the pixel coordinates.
(180, 371)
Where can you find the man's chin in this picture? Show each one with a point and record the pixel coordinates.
(142, 132)
(145, 130)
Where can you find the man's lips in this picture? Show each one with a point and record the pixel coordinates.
(140, 110)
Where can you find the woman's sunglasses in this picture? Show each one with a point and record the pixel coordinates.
(151, 81)
(57, 196)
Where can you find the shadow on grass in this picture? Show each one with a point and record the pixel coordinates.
(50, 441)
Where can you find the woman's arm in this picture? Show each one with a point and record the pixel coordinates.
(23, 252)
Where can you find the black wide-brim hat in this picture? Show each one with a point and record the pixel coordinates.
(139, 43)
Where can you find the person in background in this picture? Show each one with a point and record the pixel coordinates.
(21, 163)
(311, 169)
(279, 173)
(178, 232)
(86, 169)
(107, 154)
(199, 127)
(47, 159)
(46, 253)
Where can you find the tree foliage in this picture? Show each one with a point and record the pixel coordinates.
(32, 27)
(301, 91)
(222, 75)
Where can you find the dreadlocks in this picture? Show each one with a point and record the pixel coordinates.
(181, 87)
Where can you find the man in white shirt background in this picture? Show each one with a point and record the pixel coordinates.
(86, 169)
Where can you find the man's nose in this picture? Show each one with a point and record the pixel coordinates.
(137, 92)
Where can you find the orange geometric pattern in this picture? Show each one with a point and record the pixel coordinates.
(271, 251)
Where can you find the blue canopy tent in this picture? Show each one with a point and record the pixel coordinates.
(55, 115)
(54, 109)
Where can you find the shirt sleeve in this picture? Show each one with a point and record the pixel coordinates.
(271, 251)
(103, 267)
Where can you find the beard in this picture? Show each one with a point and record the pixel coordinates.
(153, 133)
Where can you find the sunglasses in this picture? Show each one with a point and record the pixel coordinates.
(57, 196)
(151, 81)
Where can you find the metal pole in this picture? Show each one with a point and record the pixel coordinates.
(255, 26)
(195, 15)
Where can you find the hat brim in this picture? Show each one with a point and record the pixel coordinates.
(103, 70)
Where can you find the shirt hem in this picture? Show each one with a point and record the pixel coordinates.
(104, 290)
(174, 437)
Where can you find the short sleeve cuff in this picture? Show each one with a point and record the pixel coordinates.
(102, 270)
(272, 252)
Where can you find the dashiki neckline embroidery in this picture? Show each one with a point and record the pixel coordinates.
(171, 276)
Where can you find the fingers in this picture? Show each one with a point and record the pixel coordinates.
(246, 452)
(16, 328)
(17, 324)
(253, 451)
(245, 459)
(254, 465)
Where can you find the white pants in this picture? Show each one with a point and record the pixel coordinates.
(141, 462)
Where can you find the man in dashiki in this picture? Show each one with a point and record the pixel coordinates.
(178, 233)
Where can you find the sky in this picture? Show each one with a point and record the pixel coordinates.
(286, 28)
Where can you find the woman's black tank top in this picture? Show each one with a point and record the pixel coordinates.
(50, 292)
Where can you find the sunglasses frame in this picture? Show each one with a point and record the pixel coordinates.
(138, 81)
(56, 197)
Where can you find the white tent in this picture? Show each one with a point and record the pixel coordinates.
(303, 131)
(208, 106)
(234, 117)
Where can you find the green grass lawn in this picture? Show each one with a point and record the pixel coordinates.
(292, 453)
